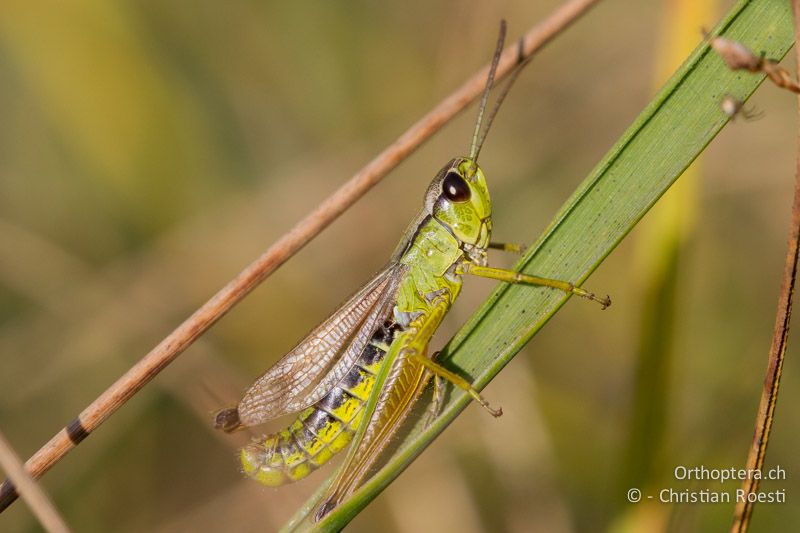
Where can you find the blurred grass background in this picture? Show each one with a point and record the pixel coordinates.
(148, 151)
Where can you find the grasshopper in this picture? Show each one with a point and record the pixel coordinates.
(382, 333)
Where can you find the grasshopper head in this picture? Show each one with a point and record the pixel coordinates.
(459, 199)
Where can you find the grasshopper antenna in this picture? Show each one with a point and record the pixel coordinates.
(475, 147)
(478, 138)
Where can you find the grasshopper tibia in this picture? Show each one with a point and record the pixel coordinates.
(509, 276)
(438, 370)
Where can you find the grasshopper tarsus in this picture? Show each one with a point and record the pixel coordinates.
(605, 303)
(497, 413)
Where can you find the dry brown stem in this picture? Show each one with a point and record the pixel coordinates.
(780, 336)
(738, 57)
(41, 506)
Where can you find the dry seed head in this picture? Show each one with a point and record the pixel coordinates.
(736, 55)
(780, 76)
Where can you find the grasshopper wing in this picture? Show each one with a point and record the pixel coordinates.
(313, 367)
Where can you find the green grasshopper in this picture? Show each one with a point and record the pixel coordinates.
(382, 332)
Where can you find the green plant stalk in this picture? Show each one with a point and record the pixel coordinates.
(669, 134)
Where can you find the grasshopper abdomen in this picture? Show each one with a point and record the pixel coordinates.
(322, 430)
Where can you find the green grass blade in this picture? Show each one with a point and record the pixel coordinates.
(669, 134)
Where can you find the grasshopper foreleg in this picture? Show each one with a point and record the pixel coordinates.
(441, 372)
(509, 276)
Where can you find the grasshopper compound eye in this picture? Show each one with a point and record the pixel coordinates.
(455, 188)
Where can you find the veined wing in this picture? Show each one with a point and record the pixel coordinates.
(398, 385)
(404, 384)
(312, 368)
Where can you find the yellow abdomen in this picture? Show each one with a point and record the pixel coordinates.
(321, 431)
